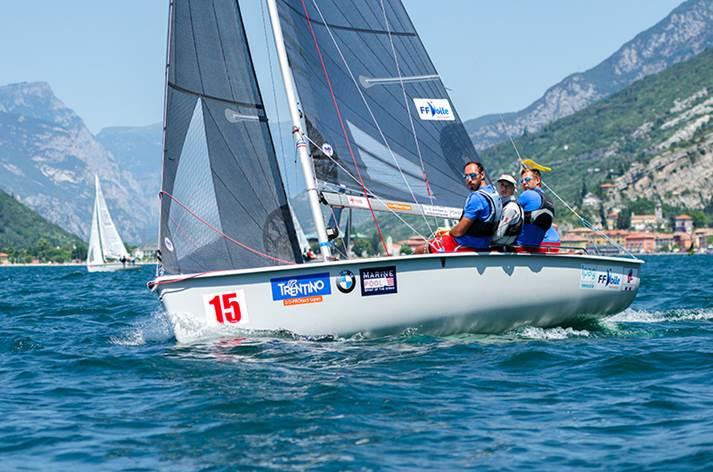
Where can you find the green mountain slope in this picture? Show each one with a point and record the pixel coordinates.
(653, 141)
(25, 235)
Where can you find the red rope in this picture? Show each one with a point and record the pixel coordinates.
(344, 130)
(244, 246)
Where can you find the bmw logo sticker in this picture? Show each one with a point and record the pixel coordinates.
(346, 281)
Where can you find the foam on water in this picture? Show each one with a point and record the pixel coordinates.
(155, 328)
(631, 315)
(532, 332)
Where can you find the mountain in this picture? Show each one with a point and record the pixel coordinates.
(24, 231)
(685, 32)
(48, 159)
(653, 141)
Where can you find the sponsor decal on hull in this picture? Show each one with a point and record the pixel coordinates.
(434, 109)
(601, 277)
(631, 280)
(378, 281)
(301, 289)
(346, 281)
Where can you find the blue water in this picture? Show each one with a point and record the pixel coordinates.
(92, 378)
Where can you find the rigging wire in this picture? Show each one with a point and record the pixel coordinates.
(341, 123)
(381, 200)
(408, 112)
(366, 103)
(574, 212)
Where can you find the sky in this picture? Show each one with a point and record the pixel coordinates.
(106, 59)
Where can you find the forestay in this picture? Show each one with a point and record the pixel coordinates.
(223, 203)
(369, 90)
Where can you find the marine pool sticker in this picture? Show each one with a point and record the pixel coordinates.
(600, 277)
(226, 308)
(301, 289)
(378, 281)
(434, 109)
(346, 281)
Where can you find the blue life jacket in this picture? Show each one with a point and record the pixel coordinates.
(488, 226)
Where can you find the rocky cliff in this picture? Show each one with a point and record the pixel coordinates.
(48, 159)
(684, 33)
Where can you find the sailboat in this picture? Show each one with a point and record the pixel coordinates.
(375, 130)
(106, 252)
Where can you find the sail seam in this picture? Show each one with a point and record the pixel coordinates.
(224, 100)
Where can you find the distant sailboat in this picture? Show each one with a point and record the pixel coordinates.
(107, 252)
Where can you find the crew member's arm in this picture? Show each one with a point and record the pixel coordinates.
(476, 207)
(461, 228)
(530, 200)
(504, 222)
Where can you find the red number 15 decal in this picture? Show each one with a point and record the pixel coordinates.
(227, 307)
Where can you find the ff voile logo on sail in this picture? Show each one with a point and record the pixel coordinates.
(434, 109)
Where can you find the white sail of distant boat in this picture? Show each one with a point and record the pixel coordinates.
(375, 130)
(106, 252)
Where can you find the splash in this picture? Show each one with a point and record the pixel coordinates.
(155, 328)
(547, 334)
(641, 316)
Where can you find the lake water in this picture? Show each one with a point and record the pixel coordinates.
(92, 378)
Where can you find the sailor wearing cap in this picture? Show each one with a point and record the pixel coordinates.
(512, 217)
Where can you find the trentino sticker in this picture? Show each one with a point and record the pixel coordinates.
(378, 281)
(434, 109)
(301, 289)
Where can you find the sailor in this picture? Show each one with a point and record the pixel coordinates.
(512, 217)
(538, 208)
(481, 213)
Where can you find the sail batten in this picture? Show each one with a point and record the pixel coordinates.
(224, 204)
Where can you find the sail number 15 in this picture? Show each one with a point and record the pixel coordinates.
(226, 307)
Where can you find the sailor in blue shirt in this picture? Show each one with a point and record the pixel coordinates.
(481, 213)
(539, 209)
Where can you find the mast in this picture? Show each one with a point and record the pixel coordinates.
(300, 142)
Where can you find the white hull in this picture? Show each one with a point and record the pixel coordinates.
(438, 293)
(111, 267)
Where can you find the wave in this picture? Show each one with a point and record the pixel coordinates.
(155, 328)
(631, 315)
(532, 332)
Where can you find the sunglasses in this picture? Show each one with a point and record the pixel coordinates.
(471, 176)
(526, 180)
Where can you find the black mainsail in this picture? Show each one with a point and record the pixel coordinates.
(368, 88)
(223, 202)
